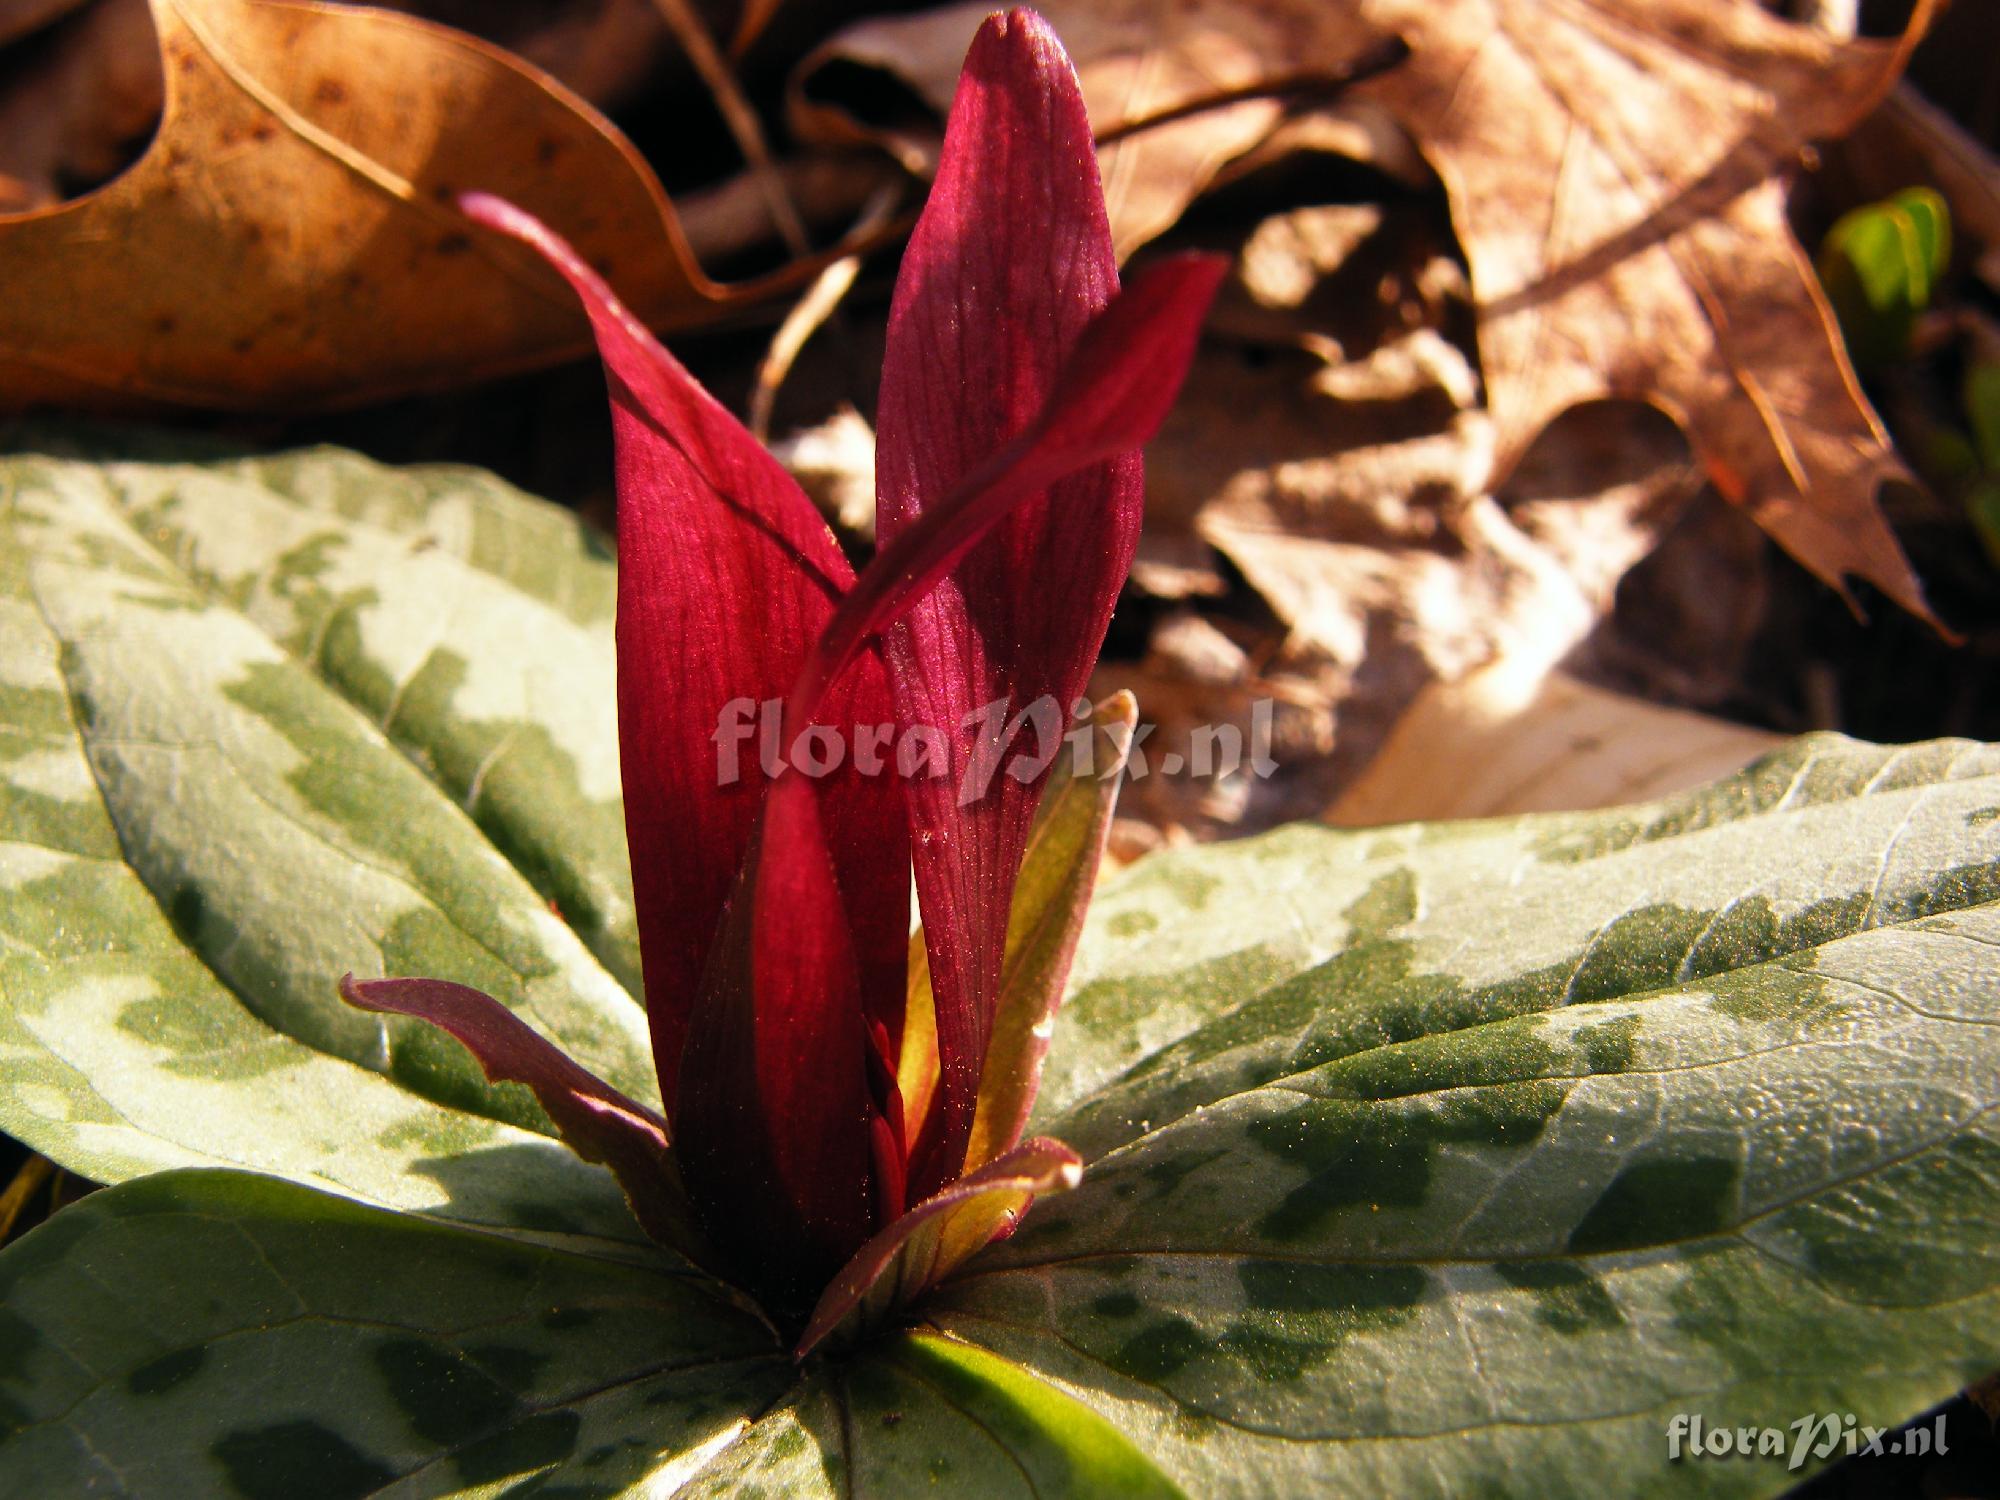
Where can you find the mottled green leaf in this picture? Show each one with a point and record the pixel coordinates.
(220, 1333)
(1458, 1159)
(203, 830)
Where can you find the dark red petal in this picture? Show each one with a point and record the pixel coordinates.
(775, 1122)
(1011, 625)
(726, 576)
(597, 1122)
(1098, 409)
(939, 1235)
(804, 1128)
(1009, 263)
(1114, 392)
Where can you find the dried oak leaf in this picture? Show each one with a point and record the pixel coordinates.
(289, 239)
(1615, 170)
(1346, 480)
(19, 18)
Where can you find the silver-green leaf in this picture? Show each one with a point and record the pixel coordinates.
(204, 828)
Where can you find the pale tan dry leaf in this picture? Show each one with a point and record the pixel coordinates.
(1206, 70)
(289, 238)
(1615, 172)
(1514, 738)
(830, 189)
(1208, 710)
(1358, 130)
(834, 462)
(1687, 618)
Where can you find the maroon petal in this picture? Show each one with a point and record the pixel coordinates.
(1110, 397)
(777, 1116)
(777, 1119)
(726, 576)
(596, 1121)
(1009, 263)
(938, 1236)
(1114, 392)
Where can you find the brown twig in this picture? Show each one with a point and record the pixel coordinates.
(693, 35)
(812, 310)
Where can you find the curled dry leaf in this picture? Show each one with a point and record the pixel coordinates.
(20, 17)
(1346, 479)
(288, 239)
(1615, 173)
(834, 462)
(606, 50)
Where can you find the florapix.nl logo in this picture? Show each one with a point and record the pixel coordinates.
(994, 740)
(1803, 1440)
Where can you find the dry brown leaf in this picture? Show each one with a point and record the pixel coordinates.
(1199, 682)
(1360, 521)
(1511, 738)
(1615, 172)
(1985, 1394)
(1392, 571)
(606, 50)
(289, 239)
(1346, 481)
(834, 462)
(1687, 618)
(1206, 70)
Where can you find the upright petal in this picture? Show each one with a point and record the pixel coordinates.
(1111, 397)
(788, 1167)
(726, 576)
(775, 1121)
(1011, 258)
(1066, 846)
(1009, 263)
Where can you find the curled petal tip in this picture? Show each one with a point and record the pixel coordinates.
(935, 1238)
(597, 1122)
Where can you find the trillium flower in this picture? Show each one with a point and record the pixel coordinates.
(844, 1103)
